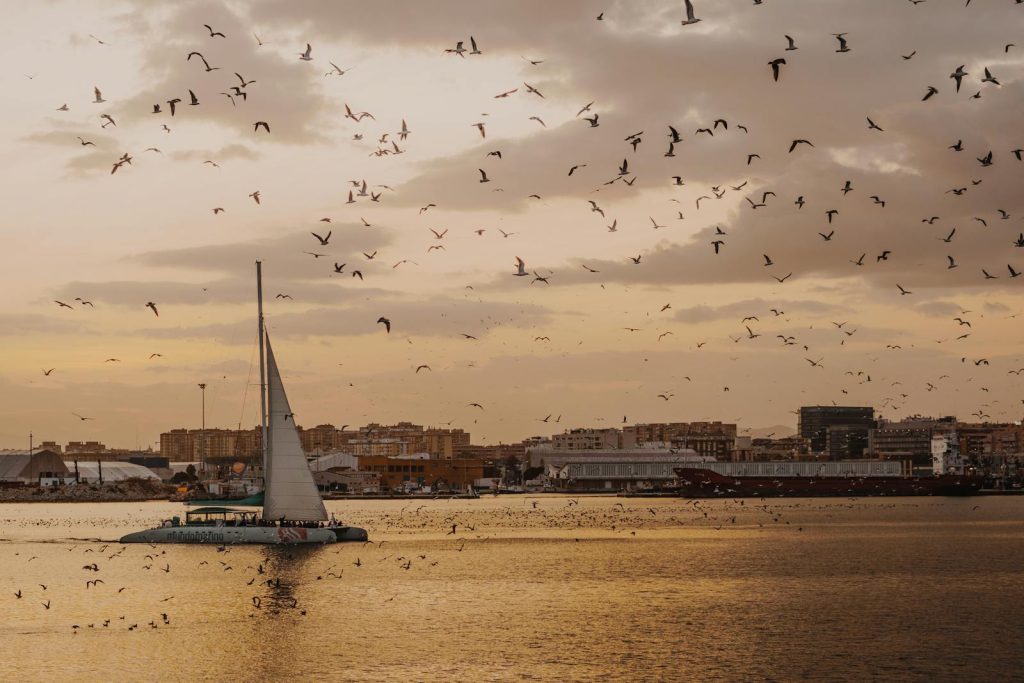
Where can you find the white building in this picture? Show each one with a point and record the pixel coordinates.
(111, 470)
(946, 454)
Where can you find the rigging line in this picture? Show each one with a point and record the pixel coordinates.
(248, 381)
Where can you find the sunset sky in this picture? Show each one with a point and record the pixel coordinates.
(148, 233)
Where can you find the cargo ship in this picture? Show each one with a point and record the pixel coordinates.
(695, 482)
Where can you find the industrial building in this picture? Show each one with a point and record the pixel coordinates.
(37, 467)
(909, 439)
(418, 472)
(611, 469)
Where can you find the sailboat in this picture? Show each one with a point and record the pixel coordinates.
(293, 511)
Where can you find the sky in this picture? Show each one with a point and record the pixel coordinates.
(626, 312)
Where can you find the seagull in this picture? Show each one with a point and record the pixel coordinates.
(932, 90)
(151, 305)
(873, 126)
(385, 322)
(690, 18)
(98, 96)
(841, 37)
(206, 64)
(903, 292)
(958, 76)
(775, 64)
(792, 43)
(212, 32)
(256, 126)
(306, 56)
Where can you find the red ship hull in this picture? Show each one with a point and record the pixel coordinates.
(702, 483)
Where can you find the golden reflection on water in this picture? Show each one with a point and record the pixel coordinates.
(535, 588)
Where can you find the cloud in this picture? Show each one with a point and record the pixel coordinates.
(285, 95)
(15, 324)
(284, 256)
(740, 309)
(435, 316)
(135, 293)
(938, 308)
(225, 153)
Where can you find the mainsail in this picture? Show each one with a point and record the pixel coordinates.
(289, 490)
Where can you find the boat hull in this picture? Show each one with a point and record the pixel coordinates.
(702, 483)
(349, 534)
(231, 535)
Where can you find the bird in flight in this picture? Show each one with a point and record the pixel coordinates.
(690, 18)
(958, 76)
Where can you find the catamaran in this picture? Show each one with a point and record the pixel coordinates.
(293, 511)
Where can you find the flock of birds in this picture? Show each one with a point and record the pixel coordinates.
(234, 87)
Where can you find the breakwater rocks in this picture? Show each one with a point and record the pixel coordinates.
(127, 490)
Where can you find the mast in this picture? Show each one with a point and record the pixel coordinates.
(264, 442)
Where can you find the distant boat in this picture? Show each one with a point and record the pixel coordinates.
(293, 511)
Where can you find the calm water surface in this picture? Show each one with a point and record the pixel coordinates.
(528, 588)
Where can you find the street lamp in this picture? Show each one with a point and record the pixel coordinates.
(202, 431)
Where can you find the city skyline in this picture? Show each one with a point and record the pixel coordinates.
(592, 346)
(819, 420)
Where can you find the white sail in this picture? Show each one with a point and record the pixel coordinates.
(289, 489)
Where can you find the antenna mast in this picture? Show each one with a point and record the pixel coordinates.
(263, 370)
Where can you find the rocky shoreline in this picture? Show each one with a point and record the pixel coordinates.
(129, 490)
